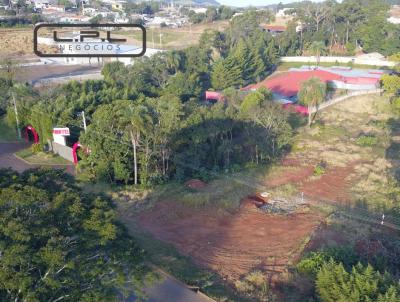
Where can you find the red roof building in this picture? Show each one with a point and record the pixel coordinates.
(289, 84)
(275, 28)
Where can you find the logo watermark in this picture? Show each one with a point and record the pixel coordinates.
(88, 40)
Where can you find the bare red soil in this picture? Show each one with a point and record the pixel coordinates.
(334, 185)
(296, 175)
(231, 244)
(235, 243)
(195, 184)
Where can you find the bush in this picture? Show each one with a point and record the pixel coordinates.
(320, 169)
(36, 148)
(367, 140)
(255, 285)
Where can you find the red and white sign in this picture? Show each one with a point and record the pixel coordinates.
(61, 131)
(59, 135)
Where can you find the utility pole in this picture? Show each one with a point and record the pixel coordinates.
(16, 115)
(84, 120)
(152, 36)
(160, 40)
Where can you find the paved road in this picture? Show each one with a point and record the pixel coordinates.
(8, 160)
(170, 290)
(47, 72)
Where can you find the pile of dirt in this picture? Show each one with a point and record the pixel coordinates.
(232, 244)
(195, 184)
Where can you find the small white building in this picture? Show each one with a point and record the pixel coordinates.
(41, 4)
(71, 18)
(199, 10)
(89, 11)
(282, 13)
(52, 9)
(394, 20)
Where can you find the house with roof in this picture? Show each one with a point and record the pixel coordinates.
(286, 86)
(274, 29)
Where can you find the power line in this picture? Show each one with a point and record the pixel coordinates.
(366, 216)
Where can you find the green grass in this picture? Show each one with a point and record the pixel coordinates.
(328, 131)
(366, 140)
(7, 134)
(283, 66)
(41, 158)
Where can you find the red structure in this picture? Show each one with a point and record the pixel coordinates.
(289, 84)
(303, 110)
(74, 148)
(34, 133)
(275, 29)
(214, 96)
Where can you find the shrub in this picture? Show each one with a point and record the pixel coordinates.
(320, 169)
(36, 148)
(361, 283)
(367, 140)
(255, 285)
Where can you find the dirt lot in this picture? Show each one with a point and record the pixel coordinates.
(174, 38)
(235, 241)
(16, 41)
(231, 243)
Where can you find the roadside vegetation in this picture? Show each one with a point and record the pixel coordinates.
(60, 244)
(41, 158)
(7, 134)
(148, 136)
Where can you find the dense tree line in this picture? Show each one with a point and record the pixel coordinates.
(212, 14)
(344, 26)
(148, 7)
(154, 139)
(147, 128)
(59, 244)
(342, 274)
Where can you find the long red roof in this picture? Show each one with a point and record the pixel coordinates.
(289, 84)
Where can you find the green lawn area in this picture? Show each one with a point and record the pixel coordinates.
(7, 134)
(283, 66)
(41, 158)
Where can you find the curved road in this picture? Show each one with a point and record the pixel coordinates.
(8, 160)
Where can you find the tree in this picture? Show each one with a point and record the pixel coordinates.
(245, 60)
(110, 153)
(317, 47)
(173, 60)
(60, 244)
(114, 71)
(226, 73)
(391, 84)
(311, 94)
(135, 119)
(259, 108)
(363, 283)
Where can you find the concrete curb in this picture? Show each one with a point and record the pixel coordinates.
(41, 164)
